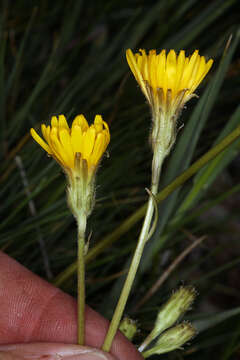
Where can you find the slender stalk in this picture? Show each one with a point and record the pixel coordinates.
(81, 221)
(156, 169)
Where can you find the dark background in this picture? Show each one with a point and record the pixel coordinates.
(69, 57)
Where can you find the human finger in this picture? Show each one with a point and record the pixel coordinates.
(51, 351)
(33, 310)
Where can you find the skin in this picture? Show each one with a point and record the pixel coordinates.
(38, 321)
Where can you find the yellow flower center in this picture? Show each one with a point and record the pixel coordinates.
(63, 143)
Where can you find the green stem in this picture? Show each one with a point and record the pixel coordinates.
(156, 169)
(81, 221)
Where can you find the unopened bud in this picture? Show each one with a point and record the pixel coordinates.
(175, 307)
(172, 339)
(128, 327)
(170, 312)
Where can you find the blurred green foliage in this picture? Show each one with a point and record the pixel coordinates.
(69, 57)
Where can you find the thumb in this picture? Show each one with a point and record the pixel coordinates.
(52, 351)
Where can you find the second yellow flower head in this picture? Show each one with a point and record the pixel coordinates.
(168, 79)
(63, 142)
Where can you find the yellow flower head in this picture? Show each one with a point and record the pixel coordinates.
(64, 144)
(168, 80)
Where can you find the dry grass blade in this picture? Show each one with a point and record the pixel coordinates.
(167, 273)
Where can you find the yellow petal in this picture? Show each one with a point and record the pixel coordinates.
(209, 65)
(145, 73)
(54, 121)
(188, 69)
(133, 64)
(63, 122)
(88, 142)
(202, 72)
(44, 132)
(57, 148)
(106, 130)
(67, 146)
(161, 73)
(81, 121)
(192, 81)
(152, 69)
(179, 72)
(99, 148)
(171, 67)
(40, 141)
(47, 133)
(77, 138)
(98, 123)
(140, 63)
(136, 70)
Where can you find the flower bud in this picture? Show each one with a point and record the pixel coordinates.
(176, 306)
(172, 339)
(128, 327)
(170, 312)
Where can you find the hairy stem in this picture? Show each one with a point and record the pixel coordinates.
(81, 279)
(156, 169)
